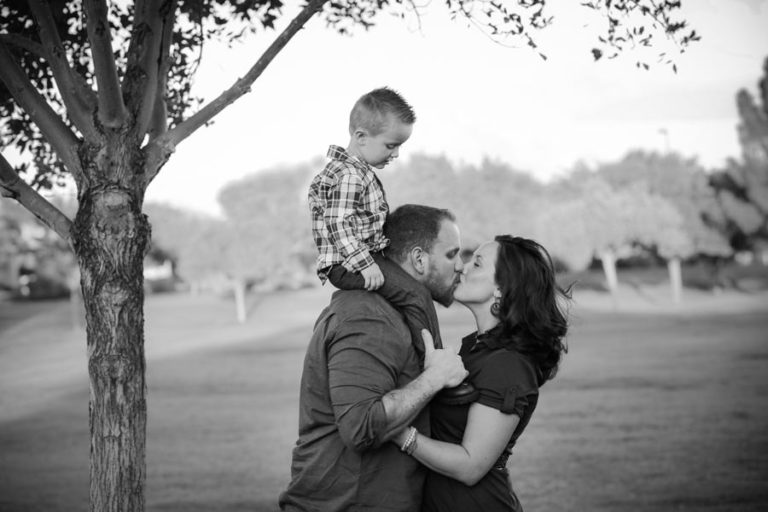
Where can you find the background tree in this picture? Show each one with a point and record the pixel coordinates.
(101, 91)
(742, 187)
(602, 215)
(502, 200)
(489, 199)
(562, 226)
(661, 228)
(11, 244)
(267, 225)
(683, 185)
(587, 217)
(192, 240)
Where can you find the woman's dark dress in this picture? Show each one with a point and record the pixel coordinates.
(508, 381)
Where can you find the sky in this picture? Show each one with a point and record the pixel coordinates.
(473, 98)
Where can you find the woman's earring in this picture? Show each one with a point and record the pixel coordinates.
(496, 306)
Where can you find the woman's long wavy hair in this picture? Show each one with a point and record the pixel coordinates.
(532, 308)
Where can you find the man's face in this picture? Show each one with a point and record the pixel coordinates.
(445, 265)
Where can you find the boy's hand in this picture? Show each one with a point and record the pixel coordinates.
(373, 277)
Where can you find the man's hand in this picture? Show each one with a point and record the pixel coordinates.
(442, 364)
(442, 369)
(373, 277)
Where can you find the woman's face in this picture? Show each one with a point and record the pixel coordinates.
(477, 283)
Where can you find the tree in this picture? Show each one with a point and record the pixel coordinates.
(742, 187)
(192, 239)
(606, 216)
(488, 200)
(101, 91)
(661, 227)
(681, 184)
(267, 221)
(562, 227)
(589, 218)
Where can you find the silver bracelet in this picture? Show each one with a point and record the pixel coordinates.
(409, 441)
(412, 447)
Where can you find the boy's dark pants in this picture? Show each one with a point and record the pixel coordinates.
(410, 297)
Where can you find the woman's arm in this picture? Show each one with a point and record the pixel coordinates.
(488, 432)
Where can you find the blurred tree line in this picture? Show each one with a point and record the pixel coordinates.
(649, 206)
(659, 207)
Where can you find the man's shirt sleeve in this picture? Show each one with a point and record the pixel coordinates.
(363, 366)
(341, 218)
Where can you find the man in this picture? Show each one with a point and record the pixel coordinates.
(363, 382)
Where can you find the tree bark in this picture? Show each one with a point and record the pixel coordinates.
(111, 236)
(111, 108)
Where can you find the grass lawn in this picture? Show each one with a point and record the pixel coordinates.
(656, 407)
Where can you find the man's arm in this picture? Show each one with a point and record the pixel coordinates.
(365, 361)
(442, 369)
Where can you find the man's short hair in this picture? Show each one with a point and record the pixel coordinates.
(411, 226)
(371, 110)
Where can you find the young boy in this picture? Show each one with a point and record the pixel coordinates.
(349, 207)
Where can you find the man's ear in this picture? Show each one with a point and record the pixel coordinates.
(419, 260)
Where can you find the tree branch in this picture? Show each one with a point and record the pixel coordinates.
(76, 100)
(243, 85)
(24, 43)
(156, 154)
(11, 185)
(64, 142)
(158, 123)
(112, 111)
(84, 91)
(140, 82)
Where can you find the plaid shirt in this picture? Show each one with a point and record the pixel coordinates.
(348, 208)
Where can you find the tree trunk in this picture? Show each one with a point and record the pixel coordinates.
(608, 259)
(238, 286)
(110, 239)
(675, 279)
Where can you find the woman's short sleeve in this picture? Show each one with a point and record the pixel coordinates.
(505, 381)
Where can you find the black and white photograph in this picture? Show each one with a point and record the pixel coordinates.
(383, 255)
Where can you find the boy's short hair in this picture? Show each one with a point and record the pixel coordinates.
(371, 110)
(413, 225)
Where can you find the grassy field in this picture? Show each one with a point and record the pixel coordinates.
(657, 407)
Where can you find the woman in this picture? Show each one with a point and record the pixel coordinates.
(509, 286)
